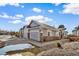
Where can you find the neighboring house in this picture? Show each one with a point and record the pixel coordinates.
(62, 32)
(38, 31)
(3, 32)
(76, 31)
(20, 31)
(65, 33)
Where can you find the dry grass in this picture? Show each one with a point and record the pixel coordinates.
(59, 52)
(26, 52)
(71, 45)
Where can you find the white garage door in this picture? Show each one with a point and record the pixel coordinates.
(35, 36)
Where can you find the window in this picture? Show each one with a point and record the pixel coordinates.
(48, 33)
(41, 34)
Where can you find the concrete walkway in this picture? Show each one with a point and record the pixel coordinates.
(48, 45)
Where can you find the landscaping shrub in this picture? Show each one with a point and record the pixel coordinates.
(26, 52)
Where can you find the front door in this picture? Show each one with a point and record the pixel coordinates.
(28, 35)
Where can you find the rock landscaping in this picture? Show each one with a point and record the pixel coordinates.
(71, 45)
(59, 52)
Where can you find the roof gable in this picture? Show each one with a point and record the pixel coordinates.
(36, 24)
(33, 24)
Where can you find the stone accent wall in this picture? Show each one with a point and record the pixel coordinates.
(49, 38)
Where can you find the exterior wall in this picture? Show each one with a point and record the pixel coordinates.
(36, 32)
(21, 33)
(25, 34)
(54, 33)
(53, 36)
(45, 32)
(77, 32)
(57, 33)
(64, 33)
(51, 32)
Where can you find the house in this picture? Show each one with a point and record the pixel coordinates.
(39, 32)
(3, 32)
(76, 31)
(62, 32)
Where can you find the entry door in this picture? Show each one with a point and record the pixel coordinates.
(28, 35)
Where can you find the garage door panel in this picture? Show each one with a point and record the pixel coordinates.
(35, 36)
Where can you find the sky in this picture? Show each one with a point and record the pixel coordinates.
(13, 16)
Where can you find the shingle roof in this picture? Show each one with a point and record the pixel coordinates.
(44, 25)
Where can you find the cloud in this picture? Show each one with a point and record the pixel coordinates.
(72, 8)
(50, 11)
(15, 21)
(38, 18)
(37, 10)
(12, 4)
(17, 16)
(22, 6)
(56, 4)
(4, 15)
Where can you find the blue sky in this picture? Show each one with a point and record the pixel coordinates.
(15, 15)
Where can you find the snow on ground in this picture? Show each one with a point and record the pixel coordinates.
(5, 37)
(14, 47)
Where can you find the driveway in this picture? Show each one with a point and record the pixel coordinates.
(16, 41)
